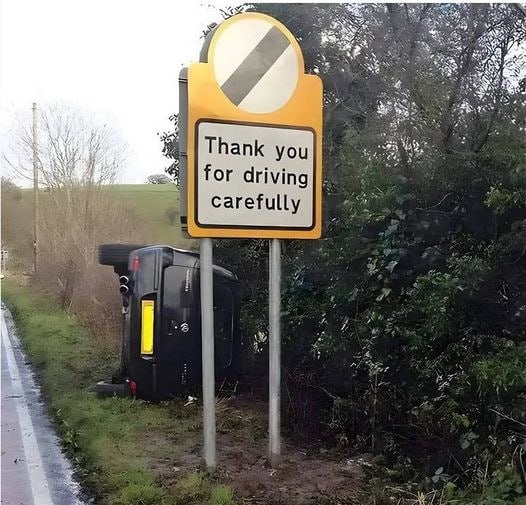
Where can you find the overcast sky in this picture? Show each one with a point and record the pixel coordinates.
(115, 59)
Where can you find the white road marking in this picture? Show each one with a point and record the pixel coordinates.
(35, 468)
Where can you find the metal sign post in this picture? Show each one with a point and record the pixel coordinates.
(274, 413)
(254, 133)
(207, 338)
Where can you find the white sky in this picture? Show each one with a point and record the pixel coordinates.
(117, 60)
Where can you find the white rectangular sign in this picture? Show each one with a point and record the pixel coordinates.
(254, 176)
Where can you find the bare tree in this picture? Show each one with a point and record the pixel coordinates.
(73, 150)
(77, 160)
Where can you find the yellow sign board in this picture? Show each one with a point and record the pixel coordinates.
(254, 135)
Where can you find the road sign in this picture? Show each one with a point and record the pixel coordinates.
(254, 176)
(255, 64)
(254, 135)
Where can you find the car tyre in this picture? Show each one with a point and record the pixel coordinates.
(116, 255)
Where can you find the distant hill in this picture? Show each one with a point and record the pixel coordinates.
(150, 202)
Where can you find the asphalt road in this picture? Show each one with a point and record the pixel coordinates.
(34, 470)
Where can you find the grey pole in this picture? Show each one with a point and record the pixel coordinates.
(274, 352)
(207, 285)
(207, 339)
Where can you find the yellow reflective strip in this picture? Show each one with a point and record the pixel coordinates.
(147, 326)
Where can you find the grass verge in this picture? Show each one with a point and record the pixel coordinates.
(151, 202)
(113, 442)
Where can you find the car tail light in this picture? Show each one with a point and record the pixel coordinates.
(133, 388)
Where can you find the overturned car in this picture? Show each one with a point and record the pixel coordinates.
(161, 337)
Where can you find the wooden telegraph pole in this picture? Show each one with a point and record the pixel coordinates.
(35, 190)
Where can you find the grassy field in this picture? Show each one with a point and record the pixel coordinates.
(151, 202)
(117, 443)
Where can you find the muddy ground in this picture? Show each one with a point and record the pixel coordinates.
(307, 474)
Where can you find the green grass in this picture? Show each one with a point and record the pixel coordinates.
(150, 202)
(221, 495)
(114, 441)
(195, 487)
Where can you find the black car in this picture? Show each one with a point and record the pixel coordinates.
(161, 340)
